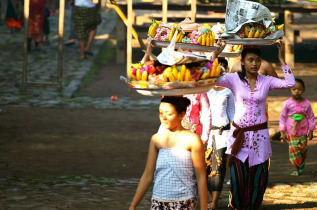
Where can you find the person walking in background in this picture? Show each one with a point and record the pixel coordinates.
(86, 19)
(36, 21)
(222, 112)
(297, 122)
(12, 14)
(249, 142)
(175, 162)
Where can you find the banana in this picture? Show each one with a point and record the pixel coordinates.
(179, 76)
(251, 33)
(131, 75)
(153, 27)
(171, 77)
(262, 33)
(246, 32)
(168, 70)
(181, 37)
(177, 37)
(144, 76)
(171, 34)
(205, 75)
(239, 48)
(217, 72)
(207, 40)
(212, 39)
(235, 48)
(165, 78)
(187, 75)
(280, 27)
(199, 39)
(203, 39)
(138, 75)
(215, 63)
(256, 34)
(183, 71)
(212, 72)
(174, 71)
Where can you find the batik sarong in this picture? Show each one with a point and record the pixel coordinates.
(85, 20)
(189, 204)
(36, 20)
(247, 184)
(215, 167)
(298, 151)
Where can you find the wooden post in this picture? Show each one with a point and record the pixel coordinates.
(164, 11)
(129, 36)
(193, 10)
(289, 39)
(121, 39)
(60, 44)
(26, 29)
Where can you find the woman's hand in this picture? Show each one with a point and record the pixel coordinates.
(280, 46)
(310, 134)
(283, 135)
(220, 46)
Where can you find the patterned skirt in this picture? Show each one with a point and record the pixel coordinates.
(215, 167)
(189, 204)
(247, 184)
(85, 20)
(298, 151)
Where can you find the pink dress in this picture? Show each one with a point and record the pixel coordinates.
(250, 110)
(198, 113)
(292, 107)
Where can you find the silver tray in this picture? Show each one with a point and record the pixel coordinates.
(229, 54)
(175, 91)
(185, 46)
(250, 41)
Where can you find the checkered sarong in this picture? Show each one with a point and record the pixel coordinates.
(297, 151)
(85, 20)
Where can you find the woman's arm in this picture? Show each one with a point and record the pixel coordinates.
(231, 107)
(205, 116)
(147, 177)
(198, 157)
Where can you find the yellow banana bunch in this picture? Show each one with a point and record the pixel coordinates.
(217, 72)
(246, 32)
(136, 65)
(179, 36)
(183, 72)
(153, 27)
(256, 34)
(171, 77)
(144, 76)
(262, 33)
(131, 75)
(170, 36)
(203, 39)
(199, 39)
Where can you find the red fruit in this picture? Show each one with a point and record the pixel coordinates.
(159, 69)
(114, 98)
(152, 69)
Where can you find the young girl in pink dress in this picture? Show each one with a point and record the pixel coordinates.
(297, 122)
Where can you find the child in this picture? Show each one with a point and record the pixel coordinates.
(175, 162)
(297, 121)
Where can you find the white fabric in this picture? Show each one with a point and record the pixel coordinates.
(84, 3)
(222, 113)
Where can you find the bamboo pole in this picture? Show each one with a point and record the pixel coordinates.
(164, 11)
(60, 46)
(129, 36)
(193, 10)
(26, 29)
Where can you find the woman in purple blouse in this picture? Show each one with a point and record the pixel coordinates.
(249, 142)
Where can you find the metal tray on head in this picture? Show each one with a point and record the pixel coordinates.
(229, 54)
(250, 41)
(174, 91)
(185, 46)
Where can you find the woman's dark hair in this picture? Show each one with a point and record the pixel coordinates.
(244, 53)
(180, 103)
(224, 62)
(300, 81)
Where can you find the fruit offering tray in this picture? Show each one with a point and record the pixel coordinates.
(172, 88)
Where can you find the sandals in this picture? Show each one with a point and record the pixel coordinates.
(295, 173)
(210, 206)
